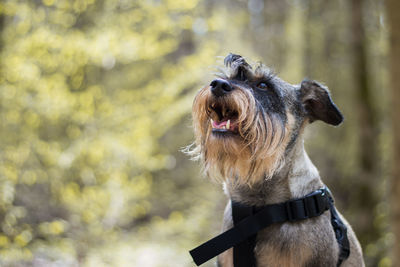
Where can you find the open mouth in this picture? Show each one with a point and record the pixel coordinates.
(223, 119)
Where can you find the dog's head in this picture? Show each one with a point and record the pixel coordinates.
(247, 119)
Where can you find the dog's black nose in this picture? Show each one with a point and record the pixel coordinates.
(220, 87)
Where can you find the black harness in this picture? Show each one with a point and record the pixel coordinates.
(248, 220)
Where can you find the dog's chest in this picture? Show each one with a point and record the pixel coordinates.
(282, 245)
(297, 244)
(291, 244)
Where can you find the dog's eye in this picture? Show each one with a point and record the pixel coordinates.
(262, 85)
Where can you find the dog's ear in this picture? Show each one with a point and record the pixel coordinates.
(318, 104)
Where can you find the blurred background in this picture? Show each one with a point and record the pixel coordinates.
(95, 101)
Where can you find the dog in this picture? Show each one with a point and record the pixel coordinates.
(248, 125)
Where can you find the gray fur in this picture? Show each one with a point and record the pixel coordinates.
(296, 179)
(310, 242)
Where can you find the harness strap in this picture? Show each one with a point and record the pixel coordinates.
(243, 253)
(340, 230)
(312, 205)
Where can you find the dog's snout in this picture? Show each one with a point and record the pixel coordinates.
(220, 87)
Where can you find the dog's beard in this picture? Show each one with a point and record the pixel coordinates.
(251, 151)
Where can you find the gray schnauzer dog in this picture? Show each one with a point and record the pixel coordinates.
(249, 126)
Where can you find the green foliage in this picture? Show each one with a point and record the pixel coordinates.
(87, 89)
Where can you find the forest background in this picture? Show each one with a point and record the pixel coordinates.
(95, 101)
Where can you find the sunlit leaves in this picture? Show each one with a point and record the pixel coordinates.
(87, 89)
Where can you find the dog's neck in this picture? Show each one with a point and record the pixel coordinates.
(295, 179)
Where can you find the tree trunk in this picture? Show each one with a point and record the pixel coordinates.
(366, 108)
(393, 11)
(311, 17)
(368, 128)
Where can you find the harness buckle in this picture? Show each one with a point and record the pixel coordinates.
(289, 212)
(317, 203)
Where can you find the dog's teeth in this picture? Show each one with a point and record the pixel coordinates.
(212, 123)
(228, 124)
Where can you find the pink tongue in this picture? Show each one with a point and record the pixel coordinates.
(219, 124)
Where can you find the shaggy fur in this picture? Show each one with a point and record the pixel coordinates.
(259, 156)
